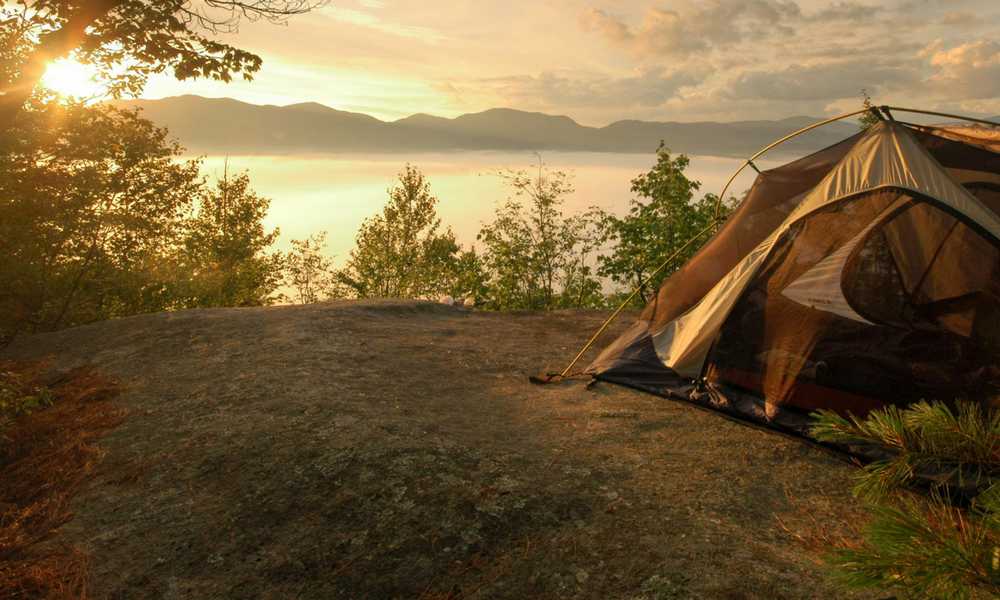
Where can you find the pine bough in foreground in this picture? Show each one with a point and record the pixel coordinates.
(942, 540)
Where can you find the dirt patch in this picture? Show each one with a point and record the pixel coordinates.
(49, 457)
(394, 449)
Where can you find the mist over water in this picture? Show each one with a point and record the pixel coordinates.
(336, 193)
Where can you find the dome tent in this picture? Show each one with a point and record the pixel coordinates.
(863, 275)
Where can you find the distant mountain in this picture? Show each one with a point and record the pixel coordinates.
(225, 126)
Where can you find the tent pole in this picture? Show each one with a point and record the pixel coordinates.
(718, 202)
(749, 161)
(884, 109)
(718, 218)
(641, 285)
(940, 114)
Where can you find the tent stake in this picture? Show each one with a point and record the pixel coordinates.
(641, 285)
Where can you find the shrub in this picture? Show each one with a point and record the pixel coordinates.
(17, 397)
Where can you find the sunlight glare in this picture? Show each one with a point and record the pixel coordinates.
(71, 79)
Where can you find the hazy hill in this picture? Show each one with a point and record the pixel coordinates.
(225, 126)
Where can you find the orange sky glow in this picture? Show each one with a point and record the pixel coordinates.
(602, 61)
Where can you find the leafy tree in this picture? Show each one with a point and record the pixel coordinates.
(401, 254)
(867, 119)
(128, 40)
(536, 259)
(310, 272)
(580, 285)
(655, 230)
(449, 270)
(98, 219)
(224, 257)
(91, 204)
(924, 545)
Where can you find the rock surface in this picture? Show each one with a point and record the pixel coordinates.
(394, 449)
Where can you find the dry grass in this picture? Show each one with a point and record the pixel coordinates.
(48, 458)
(814, 521)
(483, 568)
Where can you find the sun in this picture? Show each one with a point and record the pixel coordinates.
(71, 79)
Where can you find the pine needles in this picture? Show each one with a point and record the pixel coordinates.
(47, 458)
(923, 545)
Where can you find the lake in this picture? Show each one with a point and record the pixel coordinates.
(336, 193)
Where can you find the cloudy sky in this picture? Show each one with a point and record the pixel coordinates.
(602, 61)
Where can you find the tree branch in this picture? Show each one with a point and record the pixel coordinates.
(51, 45)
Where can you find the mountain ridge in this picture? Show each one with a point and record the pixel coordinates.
(228, 126)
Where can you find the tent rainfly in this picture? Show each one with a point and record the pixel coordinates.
(864, 275)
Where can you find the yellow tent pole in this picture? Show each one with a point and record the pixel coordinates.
(701, 233)
(749, 161)
(641, 285)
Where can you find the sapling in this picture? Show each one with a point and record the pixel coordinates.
(16, 397)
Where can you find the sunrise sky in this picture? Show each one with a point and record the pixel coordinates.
(601, 61)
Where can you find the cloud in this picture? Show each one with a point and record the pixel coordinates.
(848, 11)
(720, 103)
(647, 87)
(691, 28)
(989, 107)
(826, 81)
(369, 18)
(957, 18)
(969, 71)
(605, 60)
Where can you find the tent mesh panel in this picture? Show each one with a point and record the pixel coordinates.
(921, 287)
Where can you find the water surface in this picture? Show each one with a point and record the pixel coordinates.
(335, 193)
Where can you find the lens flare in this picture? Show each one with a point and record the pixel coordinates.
(71, 79)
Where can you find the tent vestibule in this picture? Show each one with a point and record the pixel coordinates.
(864, 275)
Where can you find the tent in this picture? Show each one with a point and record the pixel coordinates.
(863, 275)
